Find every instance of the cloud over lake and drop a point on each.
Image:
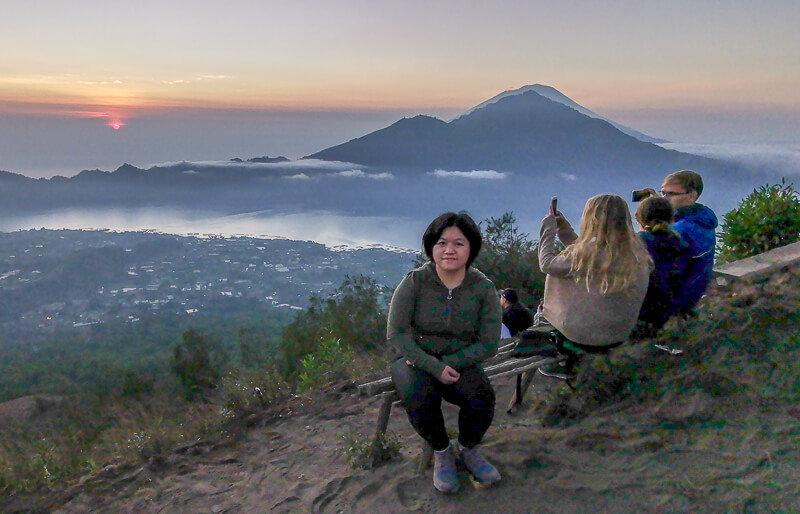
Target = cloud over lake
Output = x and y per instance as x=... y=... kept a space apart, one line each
x=363 y=174
x=474 y=174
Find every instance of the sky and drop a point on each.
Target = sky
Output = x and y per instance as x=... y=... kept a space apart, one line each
x=92 y=84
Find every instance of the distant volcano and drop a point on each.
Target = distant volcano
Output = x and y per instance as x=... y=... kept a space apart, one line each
x=521 y=132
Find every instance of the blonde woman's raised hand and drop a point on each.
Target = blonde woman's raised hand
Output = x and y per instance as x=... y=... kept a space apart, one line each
x=561 y=221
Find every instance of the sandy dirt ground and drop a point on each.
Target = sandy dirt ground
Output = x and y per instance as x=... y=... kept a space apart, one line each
x=625 y=458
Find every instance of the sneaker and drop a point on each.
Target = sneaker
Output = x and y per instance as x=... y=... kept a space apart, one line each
x=445 y=477
x=557 y=371
x=483 y=472
x=671 y=351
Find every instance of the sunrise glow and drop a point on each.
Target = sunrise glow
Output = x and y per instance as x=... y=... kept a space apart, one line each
x=325 y=73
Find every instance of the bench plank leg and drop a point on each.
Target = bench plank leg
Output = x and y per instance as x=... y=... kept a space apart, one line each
x=523 y=383
x=380 y=430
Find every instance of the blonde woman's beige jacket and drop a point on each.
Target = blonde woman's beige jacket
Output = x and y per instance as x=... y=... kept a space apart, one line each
x=585 y=317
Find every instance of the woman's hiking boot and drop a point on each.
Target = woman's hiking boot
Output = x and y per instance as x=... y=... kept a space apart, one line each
x=445 y=477
x=483 y=472
x=556 y=371
x=564 y=370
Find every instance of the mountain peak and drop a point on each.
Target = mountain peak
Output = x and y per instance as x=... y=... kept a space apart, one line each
x=555 y=95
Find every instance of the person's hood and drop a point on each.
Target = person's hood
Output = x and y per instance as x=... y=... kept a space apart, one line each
x=699 y=214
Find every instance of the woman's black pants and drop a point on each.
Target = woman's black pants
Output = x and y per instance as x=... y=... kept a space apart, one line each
x=421 y=395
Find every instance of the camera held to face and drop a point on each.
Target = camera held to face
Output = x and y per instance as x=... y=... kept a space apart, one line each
x=639 y=194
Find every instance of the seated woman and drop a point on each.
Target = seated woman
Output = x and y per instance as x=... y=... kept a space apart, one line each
x=444 y=320
x=594 y=288
x=670 y=257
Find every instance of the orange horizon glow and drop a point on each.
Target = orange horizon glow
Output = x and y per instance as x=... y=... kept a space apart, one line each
x=93 y=99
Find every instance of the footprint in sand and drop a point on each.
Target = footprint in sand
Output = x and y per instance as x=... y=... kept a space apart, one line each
x=540 y=466
x=414 y=495
x=368 y=490
x=330 y=493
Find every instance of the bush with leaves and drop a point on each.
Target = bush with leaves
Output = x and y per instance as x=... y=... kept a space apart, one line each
x=510 y=259
x=767 y=218
x=358 y=449
x=246 y=391
x=258 y=346
x=197 y=362
x=355 y=313
x=330 y=362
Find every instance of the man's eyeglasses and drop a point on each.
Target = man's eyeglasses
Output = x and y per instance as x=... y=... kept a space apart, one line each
x=669 y=194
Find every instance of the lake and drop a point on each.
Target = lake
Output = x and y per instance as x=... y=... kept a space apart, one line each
x=330 y=229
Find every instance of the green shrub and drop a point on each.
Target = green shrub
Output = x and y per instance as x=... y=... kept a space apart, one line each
x=136 y=385
x=331 y=361
x=358 y=449
x=197 y=363
x=247 y=391
x=355 y=313
x=767 y=218
x=510 y=259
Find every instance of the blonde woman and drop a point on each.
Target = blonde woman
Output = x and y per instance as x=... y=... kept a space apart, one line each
x=594 y=288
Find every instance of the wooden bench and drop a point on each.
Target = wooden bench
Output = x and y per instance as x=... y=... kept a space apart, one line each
x=501 y=365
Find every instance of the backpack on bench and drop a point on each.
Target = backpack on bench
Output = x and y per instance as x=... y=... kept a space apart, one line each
x=542 y=340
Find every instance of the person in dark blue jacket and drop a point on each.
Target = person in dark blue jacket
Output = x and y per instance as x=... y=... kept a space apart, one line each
x=669 y=251
x=516 y=317
x=696 y=225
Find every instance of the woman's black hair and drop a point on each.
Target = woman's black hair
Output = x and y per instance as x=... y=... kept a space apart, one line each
x=654 y=211
x=655 y=214
x=463 y=222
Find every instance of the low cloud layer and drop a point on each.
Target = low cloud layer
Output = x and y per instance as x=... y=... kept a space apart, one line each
x=769 y=157
x=298 y=176
x=363 y=174
x=474 y=174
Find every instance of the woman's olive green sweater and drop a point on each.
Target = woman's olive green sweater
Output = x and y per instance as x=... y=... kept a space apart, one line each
x=433 y=326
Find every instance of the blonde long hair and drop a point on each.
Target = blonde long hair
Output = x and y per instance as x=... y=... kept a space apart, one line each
x=608 y=254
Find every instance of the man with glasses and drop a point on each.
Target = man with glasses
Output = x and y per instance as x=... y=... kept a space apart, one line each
x=696 y=224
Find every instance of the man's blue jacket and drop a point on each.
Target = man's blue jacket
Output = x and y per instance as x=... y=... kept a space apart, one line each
x=696 y=224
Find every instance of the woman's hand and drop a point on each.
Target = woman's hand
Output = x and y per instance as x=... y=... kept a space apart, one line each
x=561 y=221
x=449 y=375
